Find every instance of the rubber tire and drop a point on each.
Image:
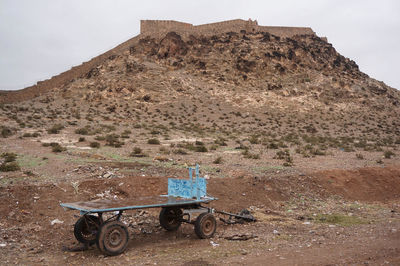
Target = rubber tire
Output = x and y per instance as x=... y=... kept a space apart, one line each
x=170 y=218
x=106 y=235
x=205 y=225
x=84 y=234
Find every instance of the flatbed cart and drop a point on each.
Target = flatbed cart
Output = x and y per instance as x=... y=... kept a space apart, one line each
x=185 y=197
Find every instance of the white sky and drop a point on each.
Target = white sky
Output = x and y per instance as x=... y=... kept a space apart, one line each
x=41 y=38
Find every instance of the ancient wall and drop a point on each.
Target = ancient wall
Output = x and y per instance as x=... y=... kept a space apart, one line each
x=154 y=28
x=159 y=27
x=63 y=78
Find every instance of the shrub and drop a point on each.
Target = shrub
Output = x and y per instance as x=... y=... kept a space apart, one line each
x=113 y=140
x=360 y=156
x=201 y=149
x=164 y=150
x=273 y=145
x=218 y=160
x=250 y=155
x=55 y=129
x=36 y=134
x=8 y=167
x=9 y=157
x=153 y=141
x=81 y=139
x=388 y=154
x=254 y=139
x=100 y=138
x=94 y=144
x=199 y=143
x=284 y=155
x=220 y=141
x=137 y=150
x=180 y=151
x=57 y=147
x=125 y=134
x=6 y=132
x=82 y=131
x=27 y=135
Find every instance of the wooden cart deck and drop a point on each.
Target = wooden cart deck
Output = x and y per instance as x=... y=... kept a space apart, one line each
x=107 y=205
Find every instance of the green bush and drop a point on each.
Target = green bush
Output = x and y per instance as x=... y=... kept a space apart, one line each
x=94 y=144
x=9 y=167
x=153 y=141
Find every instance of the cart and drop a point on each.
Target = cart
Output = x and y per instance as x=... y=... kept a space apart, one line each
x=185 y=198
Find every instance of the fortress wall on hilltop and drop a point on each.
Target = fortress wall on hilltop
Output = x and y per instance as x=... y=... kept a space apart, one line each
x=152 y=28
x=156 y=28
x=286 y=31
x=59 y=80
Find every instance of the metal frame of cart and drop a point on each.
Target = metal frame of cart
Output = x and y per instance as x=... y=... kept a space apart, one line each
x=185 y=197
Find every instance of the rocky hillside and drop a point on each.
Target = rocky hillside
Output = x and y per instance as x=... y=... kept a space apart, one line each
x=242 y=83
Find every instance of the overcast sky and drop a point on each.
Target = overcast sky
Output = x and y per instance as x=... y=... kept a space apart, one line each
x=41 y=38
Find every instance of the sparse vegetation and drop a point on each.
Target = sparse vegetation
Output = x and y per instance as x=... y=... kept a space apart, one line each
x=55 y=129
x=247 y=154
x=339 y=219
x=388 y=154
x=9 y=157
x=113 y=141
x=9 y=167
x=6 y=132
x=56 y=147
x=218 y=160
x=9 y=164
x=153 y=141
x=94 y=144
x=137 y=152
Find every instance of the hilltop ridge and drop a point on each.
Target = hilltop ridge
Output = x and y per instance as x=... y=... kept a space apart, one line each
x=147 y=28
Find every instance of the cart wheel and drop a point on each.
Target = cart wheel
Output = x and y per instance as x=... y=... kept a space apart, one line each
x=205 y=225
x=170 y=218
x=112 y=238
x=86 y=228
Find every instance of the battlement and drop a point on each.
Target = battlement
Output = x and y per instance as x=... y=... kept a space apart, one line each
x=157 y=27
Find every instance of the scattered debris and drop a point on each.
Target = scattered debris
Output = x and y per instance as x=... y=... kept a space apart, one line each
x=56 y=221
x=242 y=237
x=214 y=244
x=243 y=216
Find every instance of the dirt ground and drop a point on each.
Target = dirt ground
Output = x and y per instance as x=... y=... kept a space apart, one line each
x=291 y=228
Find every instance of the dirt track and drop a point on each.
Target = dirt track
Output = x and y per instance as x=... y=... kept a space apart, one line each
x=288 y=231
